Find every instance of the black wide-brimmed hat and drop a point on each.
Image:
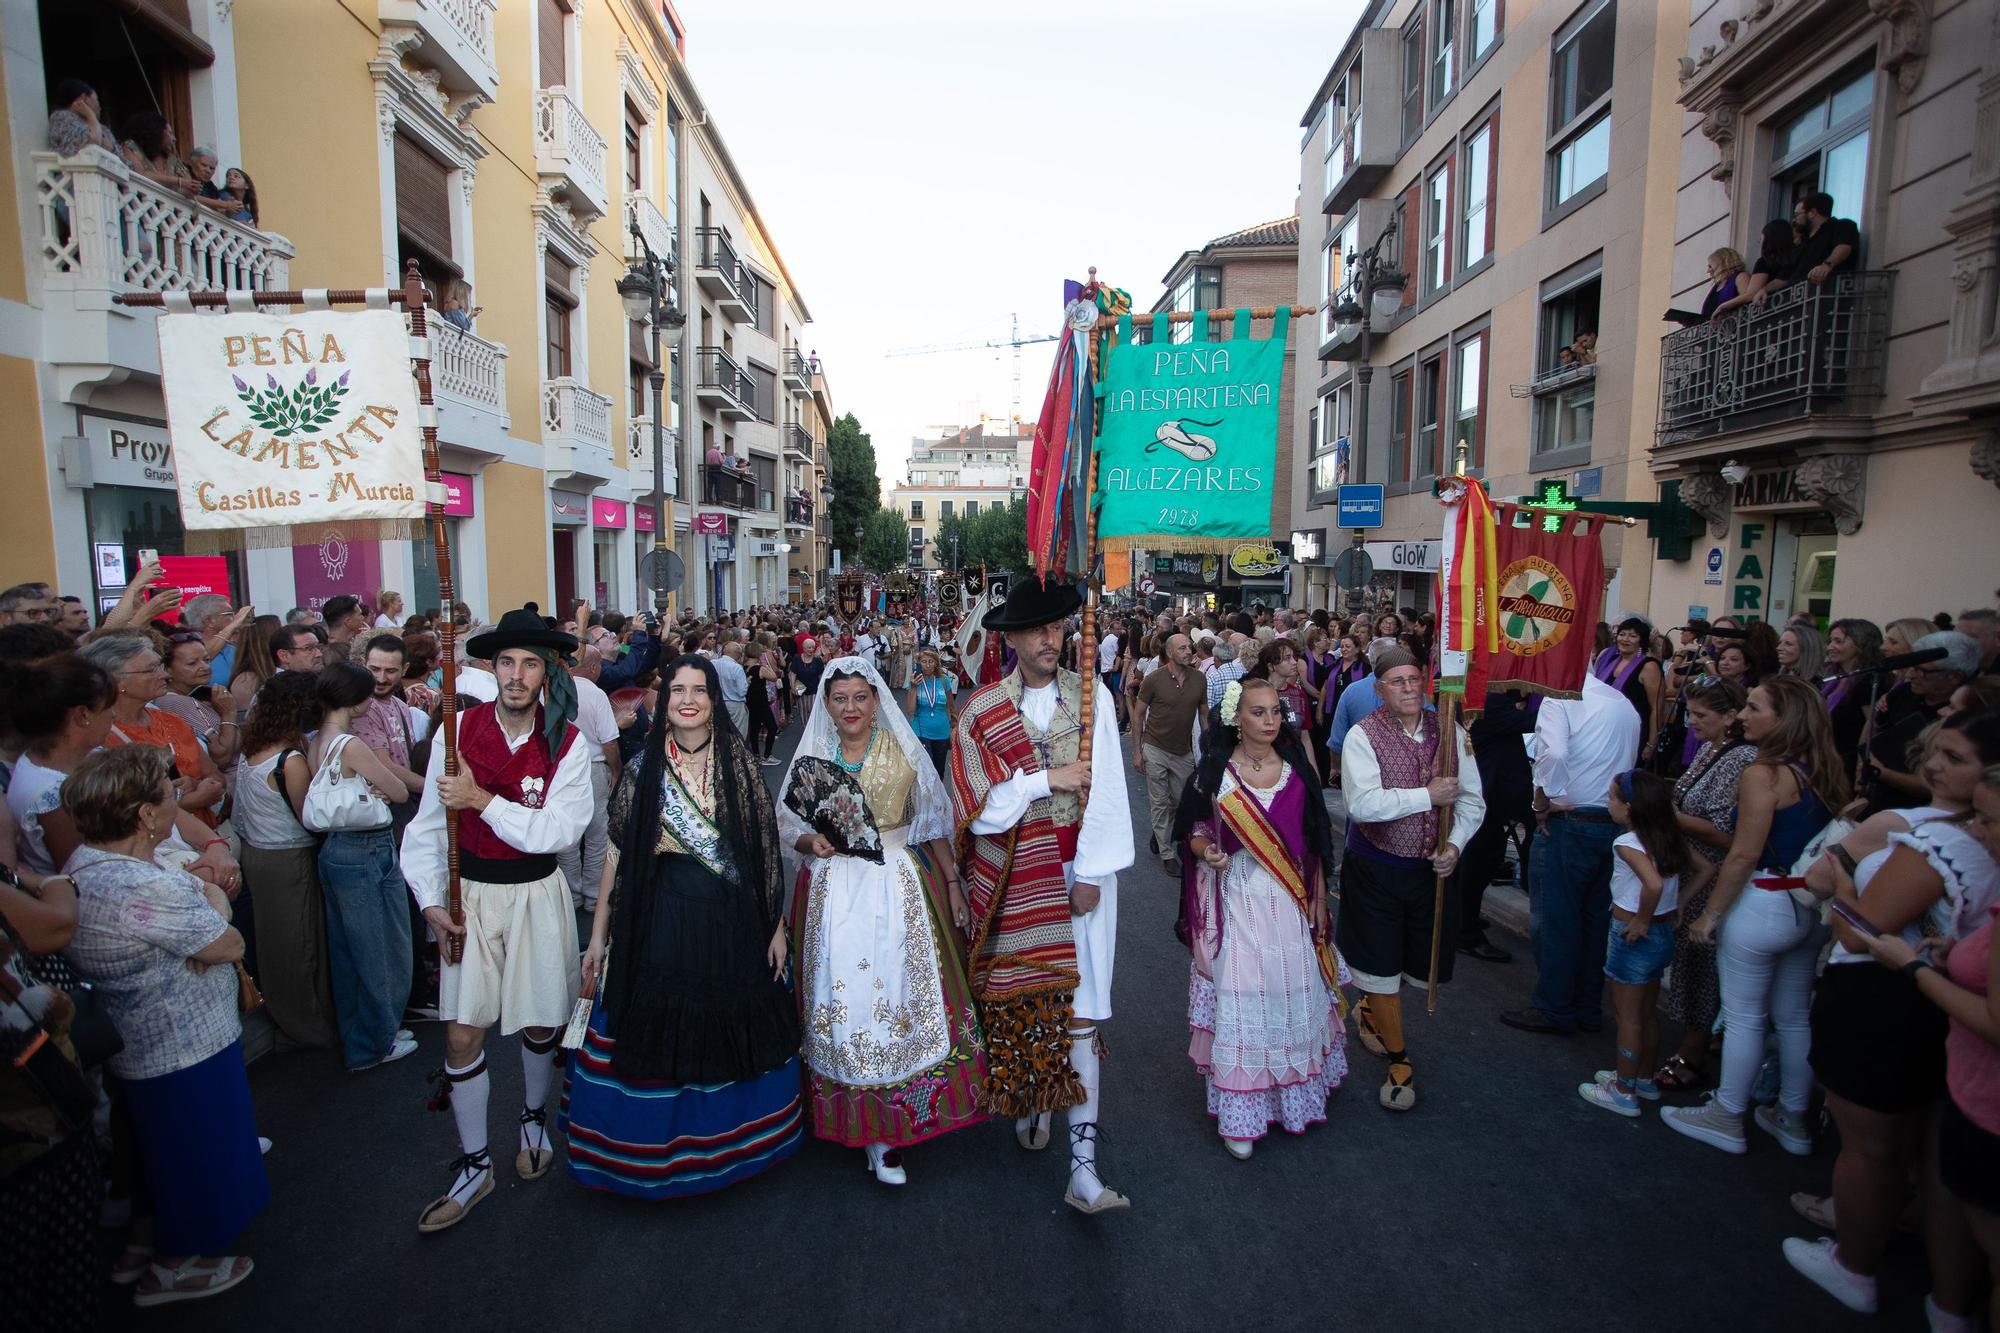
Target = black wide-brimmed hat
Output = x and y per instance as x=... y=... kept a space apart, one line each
x=1031 y=603
x=519 y=629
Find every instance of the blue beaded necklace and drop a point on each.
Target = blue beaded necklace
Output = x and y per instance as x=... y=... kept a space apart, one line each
x=840 y=758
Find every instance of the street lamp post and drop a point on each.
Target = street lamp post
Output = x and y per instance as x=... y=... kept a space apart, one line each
x=649 y=293
x=1376 y=291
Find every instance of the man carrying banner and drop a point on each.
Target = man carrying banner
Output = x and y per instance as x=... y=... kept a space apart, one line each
x=1040 y=869
x=1389 y=766
x=523 y=793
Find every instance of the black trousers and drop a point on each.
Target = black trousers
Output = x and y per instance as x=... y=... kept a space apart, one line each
x=762 y=719
x=1483 y=858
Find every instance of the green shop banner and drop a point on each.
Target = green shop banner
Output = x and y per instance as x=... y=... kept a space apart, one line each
x=1188 y=455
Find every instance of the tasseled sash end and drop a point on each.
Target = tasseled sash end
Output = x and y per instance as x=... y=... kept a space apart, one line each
x=1027 y=1056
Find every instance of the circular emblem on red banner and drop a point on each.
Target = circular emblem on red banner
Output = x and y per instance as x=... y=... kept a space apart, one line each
x=1537 y=606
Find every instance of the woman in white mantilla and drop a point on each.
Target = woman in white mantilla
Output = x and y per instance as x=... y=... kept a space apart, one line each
x=892 y=1045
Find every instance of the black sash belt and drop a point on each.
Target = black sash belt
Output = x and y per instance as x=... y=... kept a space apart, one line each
x=507 y=870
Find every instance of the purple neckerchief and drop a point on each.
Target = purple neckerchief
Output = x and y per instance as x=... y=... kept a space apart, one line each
x=1606 y=670
x=1835 y=691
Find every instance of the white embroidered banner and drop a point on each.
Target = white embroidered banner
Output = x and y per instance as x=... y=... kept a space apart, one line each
x=286 y=419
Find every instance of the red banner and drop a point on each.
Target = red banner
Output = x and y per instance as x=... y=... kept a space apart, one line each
x=1550 y=591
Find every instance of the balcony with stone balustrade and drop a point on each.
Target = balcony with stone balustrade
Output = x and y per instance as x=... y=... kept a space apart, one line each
x=576 y=432
x=569 y=152
x=104 y=231
x=457 y=39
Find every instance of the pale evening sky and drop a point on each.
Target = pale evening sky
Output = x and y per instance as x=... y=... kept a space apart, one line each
x=929 y=168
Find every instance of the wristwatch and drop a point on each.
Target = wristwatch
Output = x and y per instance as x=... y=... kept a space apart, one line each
x=1914 y=966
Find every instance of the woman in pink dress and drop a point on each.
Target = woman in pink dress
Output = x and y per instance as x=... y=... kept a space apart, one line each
x=1264 y=1003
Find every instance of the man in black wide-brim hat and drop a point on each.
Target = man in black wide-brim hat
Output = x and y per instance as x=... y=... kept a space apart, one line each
x=523 y=794
x=1042 y=837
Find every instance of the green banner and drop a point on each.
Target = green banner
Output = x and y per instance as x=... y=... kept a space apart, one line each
x=1188 y=453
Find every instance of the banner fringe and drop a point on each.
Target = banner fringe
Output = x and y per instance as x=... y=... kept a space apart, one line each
x=1164 y=545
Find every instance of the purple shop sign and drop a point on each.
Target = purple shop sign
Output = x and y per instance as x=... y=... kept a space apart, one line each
x=326 y=564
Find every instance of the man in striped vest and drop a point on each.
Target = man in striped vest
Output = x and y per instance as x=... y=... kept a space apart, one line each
x=1042 y=835
x=1396 y=801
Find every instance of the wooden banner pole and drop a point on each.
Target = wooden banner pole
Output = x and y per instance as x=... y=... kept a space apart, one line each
x=1214 y=316
x=412 y=297
x=1086 y=649
x=1447 y=753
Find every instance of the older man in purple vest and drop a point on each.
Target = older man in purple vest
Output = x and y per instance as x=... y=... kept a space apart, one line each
x=1396 y=800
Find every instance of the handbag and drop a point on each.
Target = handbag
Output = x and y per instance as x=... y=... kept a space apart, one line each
x=337 y=804
x=248 y=998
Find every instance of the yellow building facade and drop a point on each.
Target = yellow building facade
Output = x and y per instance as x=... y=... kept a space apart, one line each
x=521 y=154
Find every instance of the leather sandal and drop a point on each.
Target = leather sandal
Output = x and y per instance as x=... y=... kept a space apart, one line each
x=1399 y=1090
x=1032 y=1133
x=192 y=1279
x=532 y=1163
x=445 y=1211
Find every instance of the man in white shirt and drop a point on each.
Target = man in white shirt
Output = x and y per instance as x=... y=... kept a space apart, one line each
x=583 y=863
x=735 y=685
x=522 y=793
x=1580 y=745
x=1392 y=769
x=1044 y=828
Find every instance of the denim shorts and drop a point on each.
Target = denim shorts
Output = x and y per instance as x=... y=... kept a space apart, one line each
x=1631 y=964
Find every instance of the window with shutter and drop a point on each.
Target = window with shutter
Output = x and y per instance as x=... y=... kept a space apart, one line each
x=552 y=22
x=423 y=201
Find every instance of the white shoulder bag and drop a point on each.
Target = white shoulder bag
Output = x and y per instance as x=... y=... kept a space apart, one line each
x=342 y=804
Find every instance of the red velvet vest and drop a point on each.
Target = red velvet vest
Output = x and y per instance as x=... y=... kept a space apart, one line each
x=522 y=776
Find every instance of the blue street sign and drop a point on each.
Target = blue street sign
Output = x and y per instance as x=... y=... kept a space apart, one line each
x=1359 y=505
x=1589 y=482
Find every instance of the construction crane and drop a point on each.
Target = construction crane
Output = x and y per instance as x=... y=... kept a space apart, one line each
x=1017 y=342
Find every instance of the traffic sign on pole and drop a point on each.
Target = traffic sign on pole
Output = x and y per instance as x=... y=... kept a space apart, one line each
x=1359 y=505
x=1353 y=568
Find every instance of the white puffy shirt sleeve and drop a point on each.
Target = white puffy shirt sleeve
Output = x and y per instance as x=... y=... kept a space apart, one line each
x=1007 y=802
x=424 y=865
x=1470 y=811
x=1104 y=843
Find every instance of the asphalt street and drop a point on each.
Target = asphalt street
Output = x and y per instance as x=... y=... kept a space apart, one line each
x=1501 y=1202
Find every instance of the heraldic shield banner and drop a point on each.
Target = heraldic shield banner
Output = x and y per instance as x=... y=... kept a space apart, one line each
x=1550 y=588
x=279 y=420
x=1187 y=457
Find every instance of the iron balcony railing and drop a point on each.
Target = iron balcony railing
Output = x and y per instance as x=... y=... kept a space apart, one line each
x=798 y=440
x=796 y=365
x=718 y=252
x=718 y=370
x=1812 y=348
x=798 y=511
x=730 y=486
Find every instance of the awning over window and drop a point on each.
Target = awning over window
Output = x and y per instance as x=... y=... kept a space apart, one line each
x=169 y=20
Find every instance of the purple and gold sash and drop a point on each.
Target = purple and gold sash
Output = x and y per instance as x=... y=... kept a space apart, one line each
x=1245 y=818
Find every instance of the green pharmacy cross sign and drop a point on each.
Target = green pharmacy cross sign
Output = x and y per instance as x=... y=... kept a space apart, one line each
x=1554 y=495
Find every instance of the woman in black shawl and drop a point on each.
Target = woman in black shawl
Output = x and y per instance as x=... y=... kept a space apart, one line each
x=688 y=1078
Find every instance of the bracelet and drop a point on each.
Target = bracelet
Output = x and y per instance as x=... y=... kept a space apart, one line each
x=215 y=842
x=1914 y=966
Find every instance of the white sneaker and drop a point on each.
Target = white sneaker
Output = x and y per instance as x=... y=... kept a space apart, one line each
x=1816 y=1259
x=1240 y=1149
x=263 y=1145
x=1708 y=1123
x=1787 y=1127
x=403 y=1046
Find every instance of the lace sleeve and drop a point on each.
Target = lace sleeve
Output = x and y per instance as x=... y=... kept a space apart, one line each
x=619 y=815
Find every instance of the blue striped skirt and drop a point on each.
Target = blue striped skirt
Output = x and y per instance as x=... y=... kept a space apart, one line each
x=666 y=1140
x=197 y=1137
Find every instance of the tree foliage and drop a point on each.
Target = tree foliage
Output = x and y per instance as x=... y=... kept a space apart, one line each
x=857 y=487
x=885 y=541
x=995 y=537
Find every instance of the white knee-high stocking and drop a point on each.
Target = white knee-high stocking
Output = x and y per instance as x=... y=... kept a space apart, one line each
x=1083 y=1058
x=538 y=1067
x=471 y=1087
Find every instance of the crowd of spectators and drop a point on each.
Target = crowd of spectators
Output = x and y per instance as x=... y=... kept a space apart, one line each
x=149 y=148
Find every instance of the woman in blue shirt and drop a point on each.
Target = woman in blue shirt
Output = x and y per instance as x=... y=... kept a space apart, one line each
x=930 y=697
